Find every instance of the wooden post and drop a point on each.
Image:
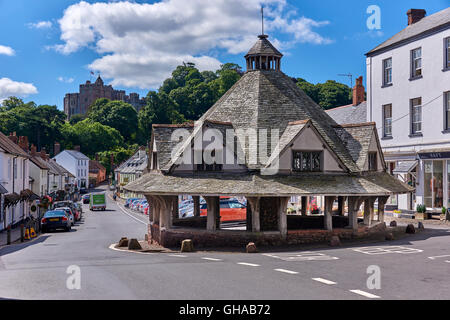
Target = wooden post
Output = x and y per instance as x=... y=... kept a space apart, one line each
x=282 y=217
x=213 y=205
x=304 y=205
x=256 y=221
x=381 y=203
x=175 y=212
x=341 y=203
x=368 y=210
x=353 y=207
x=196 y=206
x=328 y=217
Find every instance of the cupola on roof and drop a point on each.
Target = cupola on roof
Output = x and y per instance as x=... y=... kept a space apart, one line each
x=263 y=55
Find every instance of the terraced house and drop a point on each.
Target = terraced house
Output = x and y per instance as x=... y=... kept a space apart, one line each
x=305 y=153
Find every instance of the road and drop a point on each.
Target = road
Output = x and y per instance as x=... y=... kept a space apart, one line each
x=38 y=269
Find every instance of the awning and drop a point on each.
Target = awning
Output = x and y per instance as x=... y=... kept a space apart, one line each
x=27 y=194
x=404 y=167
x=3 y=189
x=11 y=199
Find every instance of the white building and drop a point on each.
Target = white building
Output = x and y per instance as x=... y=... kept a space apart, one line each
x=14 y=177
x=408 y=96
x=131 y=170
x=77 y=164
x=39 y=171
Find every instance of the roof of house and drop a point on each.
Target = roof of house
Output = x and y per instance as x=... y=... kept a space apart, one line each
x=349 y=113
x=437 y=21
x=11 y=147
x=137 y=162
x=76 y=154
x=373 y=183
x=95 y=165
x=268 y=99
x=39 y=162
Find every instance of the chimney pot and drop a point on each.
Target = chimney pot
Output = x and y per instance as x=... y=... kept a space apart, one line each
x=57 y=148
x=358 y=92
x=415 y=15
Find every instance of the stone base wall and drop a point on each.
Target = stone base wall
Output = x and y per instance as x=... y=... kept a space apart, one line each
x=222 y=238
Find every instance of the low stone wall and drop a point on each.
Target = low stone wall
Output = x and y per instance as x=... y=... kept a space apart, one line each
x=227 y=238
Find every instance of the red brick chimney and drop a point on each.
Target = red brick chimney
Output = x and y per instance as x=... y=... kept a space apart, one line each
x=77 y=148
x=23 y=143
x=13 y=137
x=43 y=154
x=96 y=157
x=33 y=150
x=56 y=148
x=358 y=92
x=415 y=15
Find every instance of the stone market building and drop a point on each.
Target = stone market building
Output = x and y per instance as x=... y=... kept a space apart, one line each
x=307 y=154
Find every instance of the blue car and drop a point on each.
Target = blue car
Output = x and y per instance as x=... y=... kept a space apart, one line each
x=56 y=219
x=129 y=201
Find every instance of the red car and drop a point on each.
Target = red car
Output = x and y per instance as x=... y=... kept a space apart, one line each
x=230 y=210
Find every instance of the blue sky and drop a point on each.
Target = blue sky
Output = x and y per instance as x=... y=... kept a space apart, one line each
x=48 y=47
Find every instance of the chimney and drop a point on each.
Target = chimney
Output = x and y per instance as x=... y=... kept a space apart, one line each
x=358 y=92
x=43 y=153
x=77 y=148
x=23 y=143
x=415 y=15
x=13 y=137
x=56 y=148
x=96 y=157
x=33 y=150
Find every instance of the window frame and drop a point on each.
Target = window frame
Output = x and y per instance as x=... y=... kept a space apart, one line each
x=385 y=82
x=446 y=100
x=372 y=155
x=413 y=74
x=446 y=59
x=310 y=152
x=412 y=114
x=387 y=135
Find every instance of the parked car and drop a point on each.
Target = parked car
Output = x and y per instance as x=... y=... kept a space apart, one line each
x=69 y=204
x=79 y=210
x=85 y=198
x=146 y=210
x=144 y=207
x=55 y=219
x=129 y=201
x=230 y=210
x=141 y=206
x=70 y=214
x=134 y=204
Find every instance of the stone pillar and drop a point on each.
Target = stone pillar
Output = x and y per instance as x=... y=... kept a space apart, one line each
x=175 y=207
x=165 y=203
x=282 y=217
x=328 y=217
x=256 y=221
x=381 y=203
x=213 y=210
x=353 y=207
x=368 y=210
x=304 y=205
x=341 y=205
x=196 y=206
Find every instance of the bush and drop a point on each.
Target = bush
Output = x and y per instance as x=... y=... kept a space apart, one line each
x=421 y=208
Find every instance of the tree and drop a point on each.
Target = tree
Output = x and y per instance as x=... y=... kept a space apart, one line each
x=119 y=115
x=328 y=95
x=120 y=154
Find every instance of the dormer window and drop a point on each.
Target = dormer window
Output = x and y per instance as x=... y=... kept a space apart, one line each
x=305 y=161
x=372 y=161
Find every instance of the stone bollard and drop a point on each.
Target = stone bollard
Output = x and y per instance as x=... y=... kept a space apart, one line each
x=389 y=236
x=393 y=223
x=420 y=226
x=410 y=229
x=251 y=248
x=335 y=241
x=187 y=245
x=123 y=242
x=133 y=244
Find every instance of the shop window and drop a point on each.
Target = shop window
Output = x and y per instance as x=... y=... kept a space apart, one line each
x=433 y=188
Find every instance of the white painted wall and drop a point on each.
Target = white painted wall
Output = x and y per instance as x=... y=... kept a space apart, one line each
x=79 y=168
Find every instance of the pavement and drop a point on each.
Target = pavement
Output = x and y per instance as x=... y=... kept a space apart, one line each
x=415 y=267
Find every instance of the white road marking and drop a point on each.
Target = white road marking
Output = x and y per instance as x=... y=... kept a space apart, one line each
x=324 y=281
x=386 y=249
x=365 y=294
x=177 y=255
x=286 y=271
x=211 y=259
x=113 y=247
x=301 y=256
x=435 y=257
x=124 y=211
x=248 y=264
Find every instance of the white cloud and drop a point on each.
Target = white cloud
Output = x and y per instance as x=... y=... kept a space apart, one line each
x=40 y=25
x=10 y=88
x=66 y=80
x=7 y=50
x=140 y=44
